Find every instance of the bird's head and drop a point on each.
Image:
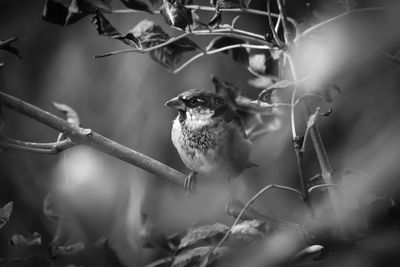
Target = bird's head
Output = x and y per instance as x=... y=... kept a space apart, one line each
x=199 y=105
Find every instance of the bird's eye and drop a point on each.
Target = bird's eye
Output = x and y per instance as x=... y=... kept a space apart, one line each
x=193 y=100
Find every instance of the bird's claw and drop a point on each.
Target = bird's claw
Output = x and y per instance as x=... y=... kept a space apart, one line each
x=190 y=182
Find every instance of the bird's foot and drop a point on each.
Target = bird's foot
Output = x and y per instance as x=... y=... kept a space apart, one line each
x=190 y=182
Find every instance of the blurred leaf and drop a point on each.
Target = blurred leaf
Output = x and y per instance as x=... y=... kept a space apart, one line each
x=218 y=4
x=327 y=114
x=105 y=28
x=248 y=231
x=68 y=250
x=64 y=12
x=1 y=65
x=203 y=233
x=71 y=115
x=150 y=236
x=265 y=94
x=26 y=240
x=138 y=5
x=7 y=45
x=312 y=119
x=5 y=211
x=192 y=257
x=258 y=63
x=176 y=14
x=226 y=90
x=49 y=208
x=239 y=54
x=109 y=253
x=308 y=251
x=262 y=82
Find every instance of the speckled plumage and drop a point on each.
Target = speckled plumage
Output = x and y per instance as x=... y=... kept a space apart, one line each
x=210 y=140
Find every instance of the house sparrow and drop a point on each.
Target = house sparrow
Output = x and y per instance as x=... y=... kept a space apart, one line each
x=209 y=136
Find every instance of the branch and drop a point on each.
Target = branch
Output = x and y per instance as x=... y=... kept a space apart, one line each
x=212 y=9
x=87 y=137
x=337 y=18
x=251 y=201
x=220 y=32
x=282 y=13
x=45 y=148
x=207 y=53
x=321 y=186
x=271 y=25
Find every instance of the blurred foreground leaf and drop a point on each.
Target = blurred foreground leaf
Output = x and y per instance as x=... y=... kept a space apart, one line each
x=203 y=233
x=7 y=46
x=26 y=240
x=239 y=54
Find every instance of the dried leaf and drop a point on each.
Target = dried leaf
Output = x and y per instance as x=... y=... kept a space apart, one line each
x=7 y=45
x=176 y=14
x=138 y=5
x=218 y=4
x=105 y=28
x=71 y=115
x=239 y=54
x=26 y=240
x=203 y=233
x=68 y=250
x=63 y=12
x=194 y=256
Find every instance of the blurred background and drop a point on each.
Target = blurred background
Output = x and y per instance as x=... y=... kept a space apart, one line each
x=122 y=97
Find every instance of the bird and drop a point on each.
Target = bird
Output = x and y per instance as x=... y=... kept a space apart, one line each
x=209 y=136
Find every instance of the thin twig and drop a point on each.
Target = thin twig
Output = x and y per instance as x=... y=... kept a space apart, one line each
x=251 y=201
x=282 y=12
x=271 y=25
x=83 y=136
x=336 y=18
x=321 y=186
x=46 y=148
x=207 y=53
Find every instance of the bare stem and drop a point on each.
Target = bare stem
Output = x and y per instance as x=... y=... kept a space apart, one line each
x=321 y=186
x=87 y=137
x=207 y=53
x=282 y=12
x=271 y=25
x=251 y=201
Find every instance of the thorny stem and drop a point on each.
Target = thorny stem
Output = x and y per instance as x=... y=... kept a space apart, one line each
x=251 y=201
x=207 y=53
x=81 y=136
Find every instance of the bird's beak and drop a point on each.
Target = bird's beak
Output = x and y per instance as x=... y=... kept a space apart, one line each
x=175 y=103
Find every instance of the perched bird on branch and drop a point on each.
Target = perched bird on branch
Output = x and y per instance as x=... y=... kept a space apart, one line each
x=209 y=136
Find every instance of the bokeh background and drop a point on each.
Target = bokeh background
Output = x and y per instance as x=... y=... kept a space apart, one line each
x=122 y=97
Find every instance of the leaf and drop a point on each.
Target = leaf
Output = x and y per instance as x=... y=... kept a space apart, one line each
x=265 y=94
x=150 y=34
x=194 y=256
x=63 y=12
x=49 y=208
x=239 y=54
x=176 y=14
x=262 y=82
x=71 y=115
x=105 y=28
x=108 y=252
x=218 y=4
x=26 y=240
x=5 y=211
x=258 y=63
x=150 y=236
x=68 y=250
x=203 y=233
x=138 y=5
x=7 y=45
x=248 y=231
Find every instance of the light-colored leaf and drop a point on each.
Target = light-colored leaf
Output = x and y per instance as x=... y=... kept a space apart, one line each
x=68 y=250
x=248 y=230
x=70 y=113
x=194 y=256
x=202 y=233
x=5 y=211
x=26 y=240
